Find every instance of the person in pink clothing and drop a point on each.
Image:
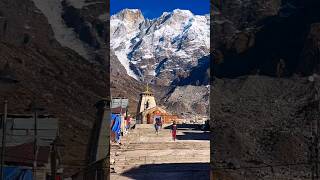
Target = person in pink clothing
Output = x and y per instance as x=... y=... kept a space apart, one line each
x=174 y=130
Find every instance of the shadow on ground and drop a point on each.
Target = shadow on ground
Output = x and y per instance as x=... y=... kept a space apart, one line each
x=188 y=134
x=194 y=136
x=186 y=126
x=174 y=171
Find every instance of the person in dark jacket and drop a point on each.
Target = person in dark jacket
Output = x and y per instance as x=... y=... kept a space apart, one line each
x=158 y=124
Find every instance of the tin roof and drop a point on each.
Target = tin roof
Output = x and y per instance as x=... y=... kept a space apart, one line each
x=119 y=101
x=20 y=129
x=23 y=154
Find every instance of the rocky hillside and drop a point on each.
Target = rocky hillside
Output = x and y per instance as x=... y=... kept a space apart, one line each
x=175 y=98
x=47 y=59
x=161 y=49
x=261 y=101
x=264 y=34
x=188 y=100
x=261 y=127
x=122 y=85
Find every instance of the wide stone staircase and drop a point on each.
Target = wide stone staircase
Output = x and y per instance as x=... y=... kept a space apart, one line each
x=146 y=155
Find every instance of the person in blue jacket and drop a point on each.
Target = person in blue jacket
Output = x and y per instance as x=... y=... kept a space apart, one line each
x=116 y=128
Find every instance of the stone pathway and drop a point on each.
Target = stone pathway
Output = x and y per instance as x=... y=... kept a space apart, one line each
x=145 y=155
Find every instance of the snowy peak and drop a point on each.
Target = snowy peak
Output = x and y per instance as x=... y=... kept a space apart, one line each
x=159 y=49
x=182 y=13
x=130 y=15
x=126 y=22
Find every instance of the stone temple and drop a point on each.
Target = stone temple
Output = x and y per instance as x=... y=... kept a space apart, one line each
x=148 y=110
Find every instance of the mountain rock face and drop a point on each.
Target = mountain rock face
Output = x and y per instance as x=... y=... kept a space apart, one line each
x=181 y=100
x=122 y=85
x=262 y=103
x=264 y=34
x=63 y=73
x=261 y=127
x=161 y=49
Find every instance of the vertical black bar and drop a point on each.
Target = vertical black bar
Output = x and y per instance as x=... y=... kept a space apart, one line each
x=3 y=147
x=35 y=148
x=211 y=86
x=106 y=162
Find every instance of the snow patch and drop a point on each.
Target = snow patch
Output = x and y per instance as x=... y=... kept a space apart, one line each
x=147 y=56
x=130 y=10
x=52 y=9
x=152 y=73
x=183 y=12
x=124 y=61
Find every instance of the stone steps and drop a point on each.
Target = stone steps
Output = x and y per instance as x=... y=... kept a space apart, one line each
x=159 y=160
x=143 y=151
x=130 y=159
x=166 y=147
x=164 y=155
x=163 y=136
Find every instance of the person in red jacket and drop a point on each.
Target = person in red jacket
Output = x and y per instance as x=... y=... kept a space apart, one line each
x=174 y=130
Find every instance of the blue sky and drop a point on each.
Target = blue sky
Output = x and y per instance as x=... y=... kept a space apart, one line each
x=154 y=8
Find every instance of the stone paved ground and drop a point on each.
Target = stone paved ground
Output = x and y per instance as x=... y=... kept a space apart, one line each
x=147 y=156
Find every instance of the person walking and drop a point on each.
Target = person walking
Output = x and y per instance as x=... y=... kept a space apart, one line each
x=127 y=125
x=112 y=134
x=158 y=124
x=116 y=128
x=174 y=130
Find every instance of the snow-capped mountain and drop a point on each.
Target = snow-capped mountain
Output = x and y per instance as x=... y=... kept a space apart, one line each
x=77 y=24
x=161 y=49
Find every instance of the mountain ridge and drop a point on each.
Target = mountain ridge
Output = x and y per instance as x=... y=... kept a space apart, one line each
x=158 y=49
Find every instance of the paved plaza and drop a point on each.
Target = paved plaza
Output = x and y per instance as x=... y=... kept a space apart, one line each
x=145 y=155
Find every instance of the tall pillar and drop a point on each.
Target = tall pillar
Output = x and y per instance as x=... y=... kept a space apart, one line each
x=98 y=146
x=103 y=148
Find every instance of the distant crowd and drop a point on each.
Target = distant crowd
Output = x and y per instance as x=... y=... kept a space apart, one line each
x=121 y=125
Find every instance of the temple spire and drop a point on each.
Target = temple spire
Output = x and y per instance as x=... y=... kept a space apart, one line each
x=147 y=89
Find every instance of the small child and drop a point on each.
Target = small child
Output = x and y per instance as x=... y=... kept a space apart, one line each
x=174 y=130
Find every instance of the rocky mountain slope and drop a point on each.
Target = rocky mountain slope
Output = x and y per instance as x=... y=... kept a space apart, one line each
x=263 y=34
x=261 y=101
x=161 y=49
x=53 y=68
x=175 y=98
x=261 y=127
x=122 y=85
x=180 y=100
